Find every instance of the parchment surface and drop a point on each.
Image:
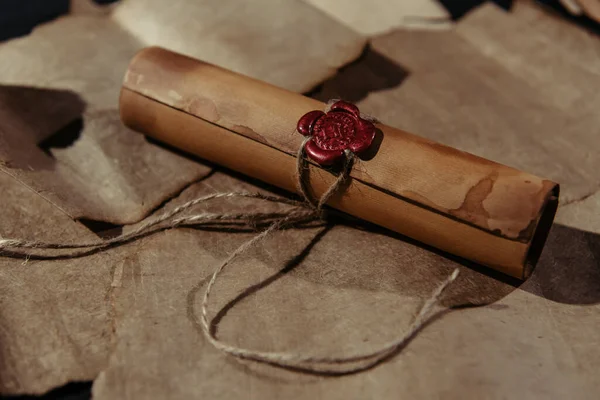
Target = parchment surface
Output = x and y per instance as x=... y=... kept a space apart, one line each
x=128 y=317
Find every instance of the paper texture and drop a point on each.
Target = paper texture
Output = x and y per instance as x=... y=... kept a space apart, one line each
x=127 y=318
x=101 y=172
x=376 y=17
x=286 y=43
x=486 y=102
x=114 y=180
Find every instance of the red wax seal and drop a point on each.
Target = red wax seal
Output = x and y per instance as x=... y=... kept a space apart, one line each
x=332 y=133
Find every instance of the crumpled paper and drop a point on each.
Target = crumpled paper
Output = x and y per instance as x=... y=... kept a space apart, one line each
x=112 y=178
x=127 y=317
x=96 y=169
x=286 y=43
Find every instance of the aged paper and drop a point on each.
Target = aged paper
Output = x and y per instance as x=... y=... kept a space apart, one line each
x=127 y=317
x=371 y=18
x=286 y=43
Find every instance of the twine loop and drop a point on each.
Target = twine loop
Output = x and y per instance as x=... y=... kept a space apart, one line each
x=309 y=210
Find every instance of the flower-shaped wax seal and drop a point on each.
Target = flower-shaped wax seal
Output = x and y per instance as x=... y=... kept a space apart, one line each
x=333 y=132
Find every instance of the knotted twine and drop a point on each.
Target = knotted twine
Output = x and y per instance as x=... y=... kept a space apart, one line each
x=301 y=212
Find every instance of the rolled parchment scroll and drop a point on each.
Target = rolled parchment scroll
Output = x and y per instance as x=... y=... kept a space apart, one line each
x=468 y=206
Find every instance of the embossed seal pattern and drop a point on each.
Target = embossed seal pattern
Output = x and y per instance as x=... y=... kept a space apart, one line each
x=332 y=133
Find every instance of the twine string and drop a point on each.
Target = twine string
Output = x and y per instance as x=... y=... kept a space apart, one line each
x=167 y=220
x=309 y=210
x=309 y=363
